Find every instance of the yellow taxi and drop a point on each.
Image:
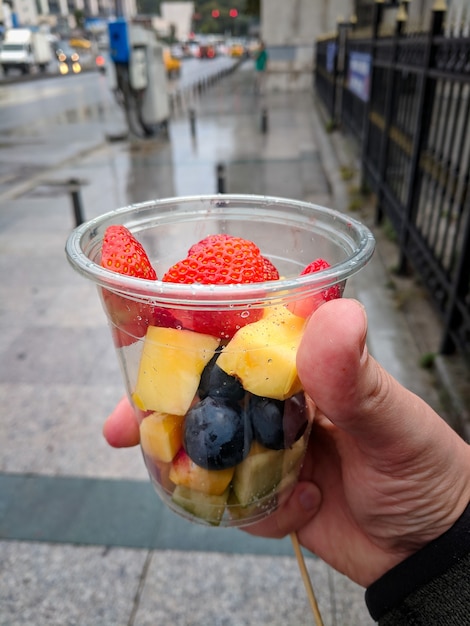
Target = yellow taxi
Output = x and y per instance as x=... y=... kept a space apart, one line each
x=236 y=49
x=79 y=42
x=172 y=65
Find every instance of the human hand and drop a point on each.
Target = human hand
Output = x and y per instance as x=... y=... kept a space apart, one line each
x=383 y=474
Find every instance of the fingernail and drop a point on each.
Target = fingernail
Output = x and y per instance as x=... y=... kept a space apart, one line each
x=308 y=498
x=363 y=344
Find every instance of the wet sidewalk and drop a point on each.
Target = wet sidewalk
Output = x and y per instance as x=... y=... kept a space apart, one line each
x=84 y=540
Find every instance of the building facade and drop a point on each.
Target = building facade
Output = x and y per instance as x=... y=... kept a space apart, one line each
x=60 y=14
x=290 y=28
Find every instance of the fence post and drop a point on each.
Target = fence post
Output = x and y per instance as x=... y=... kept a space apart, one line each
x=220 y=178
x=192 y=121
x=343 y=28
x=264 y=120
x=457 y=293
x=388 y=109
x=77 y=205
x=376 y=21
x=423 y=117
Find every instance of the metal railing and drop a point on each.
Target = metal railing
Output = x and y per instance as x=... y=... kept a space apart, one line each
x=405 y=97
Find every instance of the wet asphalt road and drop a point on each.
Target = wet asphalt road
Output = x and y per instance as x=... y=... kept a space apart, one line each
x=45 y=121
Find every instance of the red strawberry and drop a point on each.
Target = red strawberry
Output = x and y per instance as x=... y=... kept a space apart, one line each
x=306 y=306
x=270 y=271
x=216 y=239
x=220 y=260
x=332 y=293
x=123 y=254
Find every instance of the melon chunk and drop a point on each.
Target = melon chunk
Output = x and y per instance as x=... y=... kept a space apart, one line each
x=293 y=457
x=258 y=475
x=262 y=355
x=206 y=507
x=170 y=369
x=161 y=435
x=292 y=463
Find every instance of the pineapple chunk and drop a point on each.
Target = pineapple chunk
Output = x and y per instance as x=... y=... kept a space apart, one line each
x=170 y=369
x=161 y=435
x=262 y=355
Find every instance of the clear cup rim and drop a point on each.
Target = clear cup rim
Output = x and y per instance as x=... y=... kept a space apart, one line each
x=213 y=295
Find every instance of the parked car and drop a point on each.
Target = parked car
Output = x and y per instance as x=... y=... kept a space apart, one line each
x=207 y=51
x=100 y=63
x=80 y=42
x=236 y=49
x=191 y=48
x=172 y=64
x=177 y=51
x=67 y=57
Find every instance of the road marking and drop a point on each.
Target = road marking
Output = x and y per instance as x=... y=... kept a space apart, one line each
x=111 y=512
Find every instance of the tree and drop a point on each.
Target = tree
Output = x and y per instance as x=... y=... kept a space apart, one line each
x=223 y=23
x=79 y=18
x=253 y=7
x=148 y=7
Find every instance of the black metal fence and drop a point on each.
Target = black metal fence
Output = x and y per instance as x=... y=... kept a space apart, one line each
x=405 y=97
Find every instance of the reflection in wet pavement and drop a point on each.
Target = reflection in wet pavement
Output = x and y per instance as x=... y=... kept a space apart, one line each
x=43 y=124
x=227 y=131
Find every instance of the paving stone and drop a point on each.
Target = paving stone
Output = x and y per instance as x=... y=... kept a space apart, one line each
x=58 y=585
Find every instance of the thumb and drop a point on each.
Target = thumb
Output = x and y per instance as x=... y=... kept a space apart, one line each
x=348 y=386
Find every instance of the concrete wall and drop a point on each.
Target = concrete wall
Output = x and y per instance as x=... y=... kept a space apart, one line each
x=180 y=15
x=289 y=29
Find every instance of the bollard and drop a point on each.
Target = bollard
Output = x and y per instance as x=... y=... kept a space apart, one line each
x=192 y=121
x=264 y=121
x=74 y=188
x=220 y=178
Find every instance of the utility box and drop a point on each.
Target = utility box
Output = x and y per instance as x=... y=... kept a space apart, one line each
x=119 y=41
x=138 y=69
x=155 y=100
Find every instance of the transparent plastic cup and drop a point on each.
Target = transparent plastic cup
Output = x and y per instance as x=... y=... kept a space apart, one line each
x=211 y=369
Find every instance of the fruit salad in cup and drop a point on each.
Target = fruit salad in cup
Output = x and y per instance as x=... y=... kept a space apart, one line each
x=224 y=421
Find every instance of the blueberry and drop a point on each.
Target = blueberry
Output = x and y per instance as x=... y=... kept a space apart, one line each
x=222 y=385
x=278 y=424
x=267 y=418
x=218 y=384
x=217 y=434
x=204 y=383
x=295 y=418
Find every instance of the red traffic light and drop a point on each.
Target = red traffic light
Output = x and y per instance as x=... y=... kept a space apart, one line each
x=233 y=12
x=215 y=13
